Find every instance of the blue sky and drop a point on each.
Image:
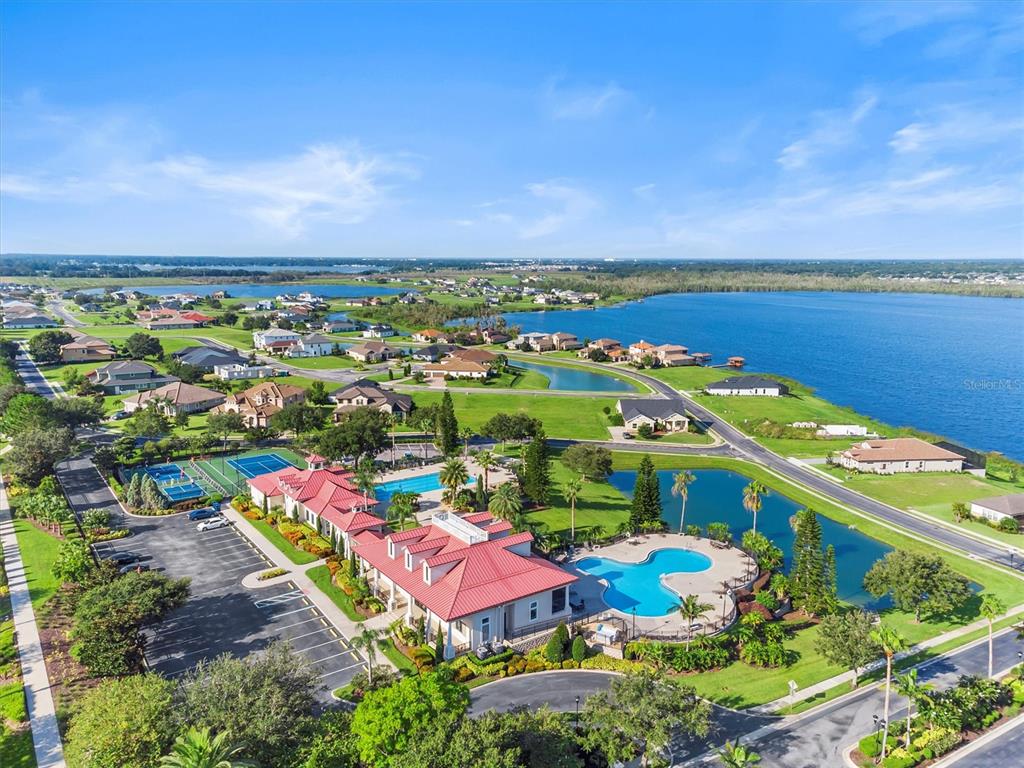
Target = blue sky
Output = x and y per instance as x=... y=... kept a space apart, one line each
x=802 y=130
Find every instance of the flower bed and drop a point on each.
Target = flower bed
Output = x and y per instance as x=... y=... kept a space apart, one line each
x=271 y=574
x=101 y=534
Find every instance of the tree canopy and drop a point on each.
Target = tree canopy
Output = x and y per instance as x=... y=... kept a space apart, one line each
x=917 y=583
x=594 y=462
x=360 y=432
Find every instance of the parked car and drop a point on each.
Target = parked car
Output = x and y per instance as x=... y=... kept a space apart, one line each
x=118 y=415
x=203 y=513
x=132 y=567
x=212 y=524
x=123 y=558
x=627 y=435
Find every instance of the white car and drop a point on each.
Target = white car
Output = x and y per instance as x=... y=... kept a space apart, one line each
x=212 y=524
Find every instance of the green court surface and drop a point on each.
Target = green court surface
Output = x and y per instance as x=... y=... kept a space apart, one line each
x=218 y=468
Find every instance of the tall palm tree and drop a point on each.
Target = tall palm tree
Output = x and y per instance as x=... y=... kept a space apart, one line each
x=453 y=476
x=752 y=499
x=571 y=492
x=466 y=434
x=691 y=609
x=487 y=461
x=907 y=685
x=369 y=641
x=506 y=502
x=733 y=755
x=197 y=749
x=991 y=608
x=892 y=642
x=681 y=488
x=365 y=477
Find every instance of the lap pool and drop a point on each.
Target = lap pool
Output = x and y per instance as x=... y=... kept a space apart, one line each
x=638 y=585
x=418 y=484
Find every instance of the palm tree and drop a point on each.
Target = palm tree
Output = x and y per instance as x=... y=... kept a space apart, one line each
x=365 y=478
x=691 y=609
x=681 y=488
x=369 y=641
x=907 y=685
x=752 y=499
x=732 y=755
x=960 y=511
x=571 y=492
x=596 y=532
x=197 y=749
x=487 y=461
x=467 y=435
x=991 y=608
x=453 y=476
x=892 y=642
x=506 y=502
x=403 y=503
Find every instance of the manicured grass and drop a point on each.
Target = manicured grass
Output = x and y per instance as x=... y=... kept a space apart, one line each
x=396 y=657
x=804 y=449
x=16 y=749
x=685 y=438
x=577 y=417
x=326 y=363
x=38 y=553
x=923 y=489
x=294 y=554
x=690 y=377
x=600 y=504
x=321 y=576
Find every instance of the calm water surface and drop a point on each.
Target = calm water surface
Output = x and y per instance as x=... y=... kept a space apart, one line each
x=717 y=496
x=576 y=379
x=953 y=365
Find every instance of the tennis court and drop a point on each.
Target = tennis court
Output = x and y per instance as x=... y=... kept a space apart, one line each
x=251 y=466
x=182 y=492
x=165 y=474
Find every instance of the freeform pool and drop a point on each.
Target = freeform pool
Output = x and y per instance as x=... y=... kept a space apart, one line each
x=418 y=484
x=638 y=585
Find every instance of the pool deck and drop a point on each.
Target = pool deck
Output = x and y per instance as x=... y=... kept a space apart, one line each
x=430 y=502
x=731 y=567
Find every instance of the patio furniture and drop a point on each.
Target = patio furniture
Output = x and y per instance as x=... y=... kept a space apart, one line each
x=606 y=634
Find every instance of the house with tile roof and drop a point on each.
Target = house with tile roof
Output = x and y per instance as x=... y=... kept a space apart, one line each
x=325 y=498
x=471 y=577
x=172 y=399
x=257 y=404
x=371 y=352
x=167 y=319
x=368 y=394
x=275 y=340
x=899 y=454
x=85 y=349
x=312 y=345
x=123 y=376
x=455 y=368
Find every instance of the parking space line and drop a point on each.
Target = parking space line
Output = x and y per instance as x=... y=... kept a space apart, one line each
x=329 y=642
x=336 y=655
x=289 y=613
x=293 y=638
x=300 y=623
x=285 y=597
x=343 y=669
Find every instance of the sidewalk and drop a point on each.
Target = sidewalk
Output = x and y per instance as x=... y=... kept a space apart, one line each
x=847 y=677
x=324 y=604
x=41 y=711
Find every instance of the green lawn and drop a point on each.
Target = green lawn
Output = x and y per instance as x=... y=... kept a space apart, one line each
x=804 y=449
x=576 y=417
x=321 y=576
x=685 y=438
x=326 y=363
x=600 y=504
x=690 y=377
x=38 y=552
x=396 y=657
x=294 y=554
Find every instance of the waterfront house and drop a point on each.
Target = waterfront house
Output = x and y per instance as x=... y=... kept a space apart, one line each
x=368 y=394
x=341 y=326
x=900 y=454
x=172 y=399
x=455 y=368
x=371 y=352
x=640 y=350
x=481 y=356
x=750 y=386
x=565 y=341
x=492 y=336
x=470 y=576
x=85 y=349
x=123 y=376
x=658 y=414
x=999 y=508
x=258 y=403
x=672 y=355
x=536 y=342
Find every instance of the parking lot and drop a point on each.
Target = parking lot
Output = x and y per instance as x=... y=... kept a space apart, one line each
x=221 y=616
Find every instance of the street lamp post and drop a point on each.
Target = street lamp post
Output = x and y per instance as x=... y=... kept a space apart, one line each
x=879 y=725
x=634 y=622
x=577 y=714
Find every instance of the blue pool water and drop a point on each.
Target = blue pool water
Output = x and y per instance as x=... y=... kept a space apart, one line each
x=420 y=484
x=638 y=585
x=576 y=379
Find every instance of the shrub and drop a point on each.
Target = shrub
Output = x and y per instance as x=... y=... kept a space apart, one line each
x=1009 y=525
x=554 y=651
x=270 y=574
x=463 y=674
x=118 y=533
x=579 y=649
x=611 y=664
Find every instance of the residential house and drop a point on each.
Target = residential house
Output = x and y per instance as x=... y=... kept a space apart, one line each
x=175 y=398
x=481 y=356
x=756 y=386
x=233 y=371
x=492 y=336
x=326 y=499
x=312 y=345
x=123 y=376
x=371 y=352
x=379 y=331
x=206 y=357
x=85 y=349
x=428 y=336
x=275 y=340
x=454 y=368
x=658 y=414
x=341 y=326
x=432 y=353
x=610 y=348
x=565 y=341
x=17 y=318
x=537 y=342
x=471 y=577
x=842 y=430
x=165 y=319
x=672 y=355
x=900 y=454
x=639 y=351
x=258 y=403
x=368 y=394
x=999 y=508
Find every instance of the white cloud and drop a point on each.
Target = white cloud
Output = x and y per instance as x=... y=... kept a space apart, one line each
x=958 y=128
x=573 y=205
x=876 y=21
x=832 y=130
x=645 y=192
x=585 y=103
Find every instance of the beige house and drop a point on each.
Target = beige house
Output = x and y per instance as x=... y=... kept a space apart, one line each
x=565 y=341
x=901 y=454
x=85 y=349
x=999 y=508
x=371 y=352
x=658 y=414
x=172 y=399
x=455 y=368
x=367 y=394
x=672 y=355
x=257 y=404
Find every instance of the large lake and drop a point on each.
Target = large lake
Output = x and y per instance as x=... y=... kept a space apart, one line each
x=953 y=365
x=717 y=496
x=270 y=290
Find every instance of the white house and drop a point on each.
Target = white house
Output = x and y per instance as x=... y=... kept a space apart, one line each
x=901 y=454
x=455 y=368
x=312 y=345
x=751 y=386
x=470 y=577
x=241 y=371
x=999 y=508
x=538 y=342
x=655 y=413
x=842 y=430
x=379 y=331
x=274 y=339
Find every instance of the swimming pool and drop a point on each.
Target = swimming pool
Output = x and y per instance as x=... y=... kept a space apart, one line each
x=638 y=585
x=418 y=484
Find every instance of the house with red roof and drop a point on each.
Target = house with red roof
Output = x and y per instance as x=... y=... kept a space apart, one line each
x=326 y=499
x=470 y=577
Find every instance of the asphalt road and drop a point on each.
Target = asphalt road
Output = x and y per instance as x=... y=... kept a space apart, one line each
x=1005 y=752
